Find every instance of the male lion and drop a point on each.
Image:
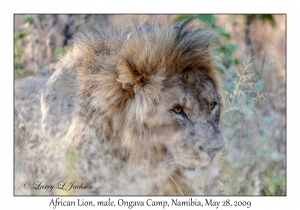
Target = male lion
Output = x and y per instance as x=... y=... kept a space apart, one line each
x=150 y=92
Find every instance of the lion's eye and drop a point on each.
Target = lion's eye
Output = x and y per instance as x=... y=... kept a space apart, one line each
x=212 y=105
x=178 y=109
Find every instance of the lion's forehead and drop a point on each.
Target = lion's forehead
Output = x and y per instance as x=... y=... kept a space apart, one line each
x=191 y=87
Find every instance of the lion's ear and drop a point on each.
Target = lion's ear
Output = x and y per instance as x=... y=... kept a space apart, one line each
x=127 y=76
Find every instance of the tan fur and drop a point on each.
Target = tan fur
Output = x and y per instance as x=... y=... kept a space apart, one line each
x=126 y=83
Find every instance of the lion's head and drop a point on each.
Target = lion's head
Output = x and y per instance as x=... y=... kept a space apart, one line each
x=153 y=88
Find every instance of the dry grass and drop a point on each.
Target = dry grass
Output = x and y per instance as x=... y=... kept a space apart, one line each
x=254 y=122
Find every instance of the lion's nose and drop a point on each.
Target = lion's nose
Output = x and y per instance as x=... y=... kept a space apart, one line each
x=211 y=151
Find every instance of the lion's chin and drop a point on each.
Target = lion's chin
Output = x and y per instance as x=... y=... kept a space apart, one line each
x=203 y=172
x=191 y=174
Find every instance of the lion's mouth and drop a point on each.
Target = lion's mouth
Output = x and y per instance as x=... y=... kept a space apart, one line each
x=197 y=168
x=188 y=168
x=194 y=168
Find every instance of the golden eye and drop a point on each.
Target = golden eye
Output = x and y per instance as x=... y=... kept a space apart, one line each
x=212 y=105
x=178 y=109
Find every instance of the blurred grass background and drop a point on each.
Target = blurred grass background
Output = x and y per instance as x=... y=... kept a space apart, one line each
x=253 y=70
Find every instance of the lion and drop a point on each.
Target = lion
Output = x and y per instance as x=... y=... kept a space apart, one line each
x=150 y=91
